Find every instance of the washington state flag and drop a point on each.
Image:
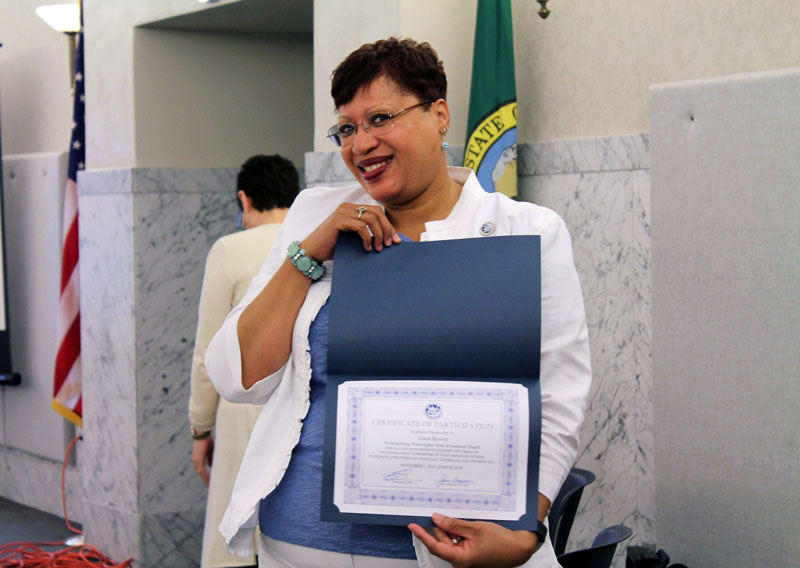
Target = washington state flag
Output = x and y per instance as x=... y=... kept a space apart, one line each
x=491 y=148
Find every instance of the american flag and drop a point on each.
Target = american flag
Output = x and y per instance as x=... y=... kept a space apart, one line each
x=67 y=399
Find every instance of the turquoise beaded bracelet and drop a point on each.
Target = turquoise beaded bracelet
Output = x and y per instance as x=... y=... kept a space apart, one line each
x=305 y=264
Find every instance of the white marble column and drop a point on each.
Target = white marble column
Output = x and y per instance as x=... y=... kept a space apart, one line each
x=144 y=236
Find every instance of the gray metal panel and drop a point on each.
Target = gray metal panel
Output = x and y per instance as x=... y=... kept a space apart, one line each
x=725 y=158
x=33 y=187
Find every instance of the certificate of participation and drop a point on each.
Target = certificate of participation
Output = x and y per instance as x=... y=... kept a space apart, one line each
x=416 y=447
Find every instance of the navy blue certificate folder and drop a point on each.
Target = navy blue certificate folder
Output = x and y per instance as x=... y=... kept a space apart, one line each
x=466 y=310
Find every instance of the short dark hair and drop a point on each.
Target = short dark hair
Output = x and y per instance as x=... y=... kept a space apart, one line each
x=414 y=67
x=270 y=181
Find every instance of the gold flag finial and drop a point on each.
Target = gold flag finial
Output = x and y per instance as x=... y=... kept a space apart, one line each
x=543 y=11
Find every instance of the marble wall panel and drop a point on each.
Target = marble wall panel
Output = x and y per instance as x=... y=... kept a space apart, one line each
x=109 y=465
x=172 y=540
x=145 y=235
x=104 y=182
x=36 y=482
x=625 y=488
x=643 y=521
x=605 y=154
x=115 y=533
x=596 y=208
x=173 y=233
x=608 y=216
x=185 y=180
x=324 y=167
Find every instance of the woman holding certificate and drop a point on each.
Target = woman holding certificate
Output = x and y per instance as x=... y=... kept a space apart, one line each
x=393 y=120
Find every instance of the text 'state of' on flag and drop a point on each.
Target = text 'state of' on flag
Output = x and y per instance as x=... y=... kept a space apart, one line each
x=491 y=148
x=67 y=399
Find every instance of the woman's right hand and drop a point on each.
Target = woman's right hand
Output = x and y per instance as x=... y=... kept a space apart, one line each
x=480 y=544
x=372 y=226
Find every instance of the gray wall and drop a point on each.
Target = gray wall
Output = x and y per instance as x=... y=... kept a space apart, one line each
x=33 y=191
x=35 y=123
x=213 y=99
x=726 y=299
x=33 y=436
x=178 y=84
x=586 y=70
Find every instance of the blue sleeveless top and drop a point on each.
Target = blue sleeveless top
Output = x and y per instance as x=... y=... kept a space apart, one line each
x=291 y=512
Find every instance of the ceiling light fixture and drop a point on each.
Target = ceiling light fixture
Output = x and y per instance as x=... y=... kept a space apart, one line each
x=65 y=18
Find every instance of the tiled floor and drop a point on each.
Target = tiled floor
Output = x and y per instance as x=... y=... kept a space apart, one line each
x=19 y=523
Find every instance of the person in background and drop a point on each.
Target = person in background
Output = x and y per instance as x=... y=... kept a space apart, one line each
x=266 y=187
x=393 y=119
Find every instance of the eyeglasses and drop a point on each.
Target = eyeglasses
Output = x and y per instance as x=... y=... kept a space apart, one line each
x=378 y=124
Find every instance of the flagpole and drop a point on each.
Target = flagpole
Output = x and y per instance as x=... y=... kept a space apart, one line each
x=73 y=43
x=72 y=38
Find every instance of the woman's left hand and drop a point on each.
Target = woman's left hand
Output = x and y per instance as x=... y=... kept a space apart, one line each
x=202 y=455
x=484 y=544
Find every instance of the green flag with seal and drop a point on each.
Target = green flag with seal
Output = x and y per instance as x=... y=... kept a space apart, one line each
x=491 y=149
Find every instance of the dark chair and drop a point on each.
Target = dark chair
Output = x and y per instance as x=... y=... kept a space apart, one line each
x=563 y=509
x=601 y=552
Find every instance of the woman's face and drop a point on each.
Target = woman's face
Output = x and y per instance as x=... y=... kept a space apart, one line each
x=402 y=162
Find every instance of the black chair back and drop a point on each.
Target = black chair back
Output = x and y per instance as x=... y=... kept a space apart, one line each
x=601 y=553
x=565 y=506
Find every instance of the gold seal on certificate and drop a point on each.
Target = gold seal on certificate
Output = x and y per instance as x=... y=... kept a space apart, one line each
x=415 y=447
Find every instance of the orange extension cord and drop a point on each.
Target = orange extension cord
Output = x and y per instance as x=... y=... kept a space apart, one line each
x=31 y=555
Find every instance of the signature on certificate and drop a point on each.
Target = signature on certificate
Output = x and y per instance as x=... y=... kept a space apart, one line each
x=453 y=481
x=398 y=475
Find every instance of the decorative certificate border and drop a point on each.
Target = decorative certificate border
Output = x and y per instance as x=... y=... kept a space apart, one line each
x=503 y=500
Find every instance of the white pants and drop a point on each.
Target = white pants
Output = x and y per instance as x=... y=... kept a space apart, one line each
x=277 y=554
